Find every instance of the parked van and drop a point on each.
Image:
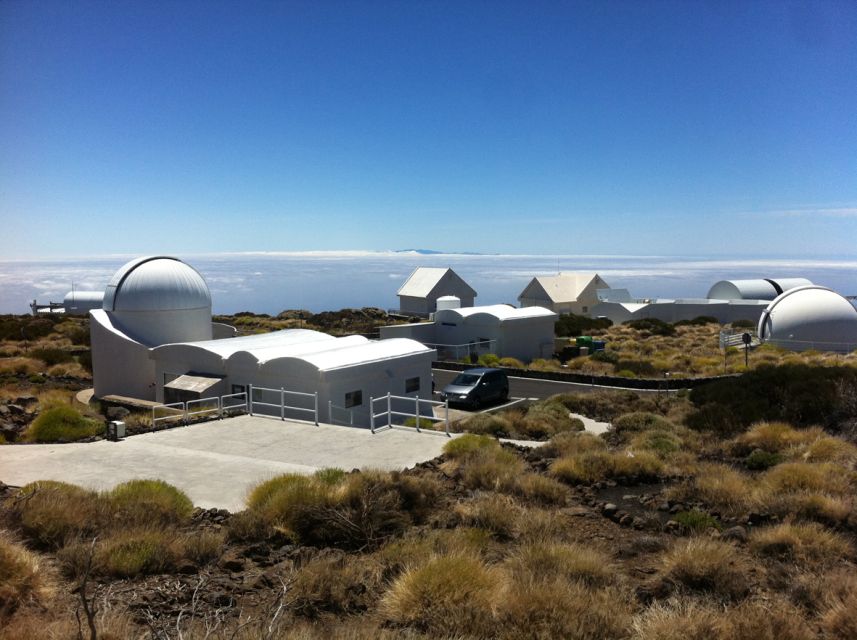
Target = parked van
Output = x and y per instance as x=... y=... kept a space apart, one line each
x=475 y=387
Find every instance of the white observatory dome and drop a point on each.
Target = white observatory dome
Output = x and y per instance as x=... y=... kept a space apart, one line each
x=160 y=299
x=810 y=317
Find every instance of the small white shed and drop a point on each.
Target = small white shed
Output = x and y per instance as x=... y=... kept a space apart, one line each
x=420 y=292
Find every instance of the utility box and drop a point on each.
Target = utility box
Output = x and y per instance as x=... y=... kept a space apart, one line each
x=115 y=430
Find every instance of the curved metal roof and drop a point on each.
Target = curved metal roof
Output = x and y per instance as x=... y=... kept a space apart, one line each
x=156 y=283
x=810 y=317
x=758 y=289
x=500 y=312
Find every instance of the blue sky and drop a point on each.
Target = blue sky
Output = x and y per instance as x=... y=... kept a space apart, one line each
x=672 y=128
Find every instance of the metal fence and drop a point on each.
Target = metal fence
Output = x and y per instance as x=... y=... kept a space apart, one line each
x=407 y=403
x=281 y=405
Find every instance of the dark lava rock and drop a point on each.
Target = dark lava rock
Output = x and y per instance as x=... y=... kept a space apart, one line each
x=26 y=401
x=626 y=520
x=739 y=534
x=609 y=510
x=232 y=563
x=117 y=413
x=16 y=409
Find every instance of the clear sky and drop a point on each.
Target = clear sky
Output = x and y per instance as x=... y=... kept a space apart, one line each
x=638 y=127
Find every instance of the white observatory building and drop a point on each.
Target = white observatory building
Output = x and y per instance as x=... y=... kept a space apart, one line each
x=153 y=339
x=810 y=317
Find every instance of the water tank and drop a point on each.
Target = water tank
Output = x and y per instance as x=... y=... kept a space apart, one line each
x=448 y=302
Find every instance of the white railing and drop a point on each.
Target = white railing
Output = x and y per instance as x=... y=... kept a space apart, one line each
x=172 y=416
x=333 y=409
x=202 y=411
x=224 y=407
x=375 y=424
x=458 y=351
x=281 y=405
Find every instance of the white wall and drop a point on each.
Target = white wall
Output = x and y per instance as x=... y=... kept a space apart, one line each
x=120 y=366
x=154 y=328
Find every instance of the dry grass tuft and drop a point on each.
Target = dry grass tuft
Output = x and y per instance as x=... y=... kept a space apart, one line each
x=51 y=512
x=804 y=543
x=495 y=513
x=336 y=584
x=492 y=469
x=567 y=444
x=140 y=502
x=559 y=609
x=451 y=594
x=541 y=489
x=706 y=565
x=22 y=579
x=718 y=486
x=570 y=562
x=594 y=466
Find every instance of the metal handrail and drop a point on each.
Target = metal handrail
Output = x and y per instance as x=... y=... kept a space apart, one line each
x=331 y=407
x=182 y=416
x=188 y=413
x=224 y=407
x=282 y=405
x=416 y=415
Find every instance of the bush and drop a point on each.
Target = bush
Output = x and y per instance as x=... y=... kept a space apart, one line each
x=800 y=394
x=51 y=512
x=512 y=363
x=759 y=460
x=336 y=584
x=363 y=509
x=558 y=609
x=635 y=367
x=696 y=521
x=62 y=424
x=539 y=488
x=697 y=322
x=823 y=477
x=21 y=578
x=652 y=326
x=494 y=469
x=129 y=553
x=544 y=419
x=446 y=595
x=718 y=486
x=594 y=466
x=488 y=424
x=153 y=502
x=572 y=325
x=803 y=543
x=467 y=445
x=568 y=443
x=203 y=547
x=494 y=513
x=488 y=360
x=51 y=356
x=706 y=565
x=547 y=561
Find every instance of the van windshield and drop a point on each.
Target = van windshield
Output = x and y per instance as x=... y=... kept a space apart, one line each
x=465 y=380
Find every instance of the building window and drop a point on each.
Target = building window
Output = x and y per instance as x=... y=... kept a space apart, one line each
x=353 y=399
x=238 y=388
x=585 y=309
x=412 y=384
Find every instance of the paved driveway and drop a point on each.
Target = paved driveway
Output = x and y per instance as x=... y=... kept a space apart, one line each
x=216 y=463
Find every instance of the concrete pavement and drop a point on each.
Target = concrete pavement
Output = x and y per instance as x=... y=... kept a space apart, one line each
x=217 y=463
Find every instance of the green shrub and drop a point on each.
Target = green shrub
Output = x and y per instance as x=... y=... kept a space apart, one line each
x=488 y=360
x=142 y=502
x=696 y=322
x=63 y=423
x=696 y=521
x=467 y=445
x=130 y=553
x=610 y=357
x=546 y=418
x=51 y=512
x=488 y=424
x=759 y=460
x=492 y=468
x=422 y=423
x=652 y=326
x=330 y=475
x=512 y=363
x=51 y=356
x=571 y=325
x=635 y=367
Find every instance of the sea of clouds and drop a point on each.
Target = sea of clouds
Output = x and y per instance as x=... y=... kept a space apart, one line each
x=325 y=280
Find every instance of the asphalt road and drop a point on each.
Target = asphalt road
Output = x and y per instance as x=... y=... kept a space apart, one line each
x=530 y=388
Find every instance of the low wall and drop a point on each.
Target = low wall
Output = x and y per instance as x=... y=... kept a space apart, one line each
x=583 y=378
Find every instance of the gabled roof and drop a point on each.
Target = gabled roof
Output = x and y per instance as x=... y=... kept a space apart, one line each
x=563 y=287
x=423 y=280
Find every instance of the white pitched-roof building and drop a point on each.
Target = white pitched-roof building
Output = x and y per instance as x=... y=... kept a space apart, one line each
x=564 y=293
x=425 y=285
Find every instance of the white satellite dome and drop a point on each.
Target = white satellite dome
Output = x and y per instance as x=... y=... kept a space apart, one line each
x=156 y=283
x=159 y=300
x=810 y=317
